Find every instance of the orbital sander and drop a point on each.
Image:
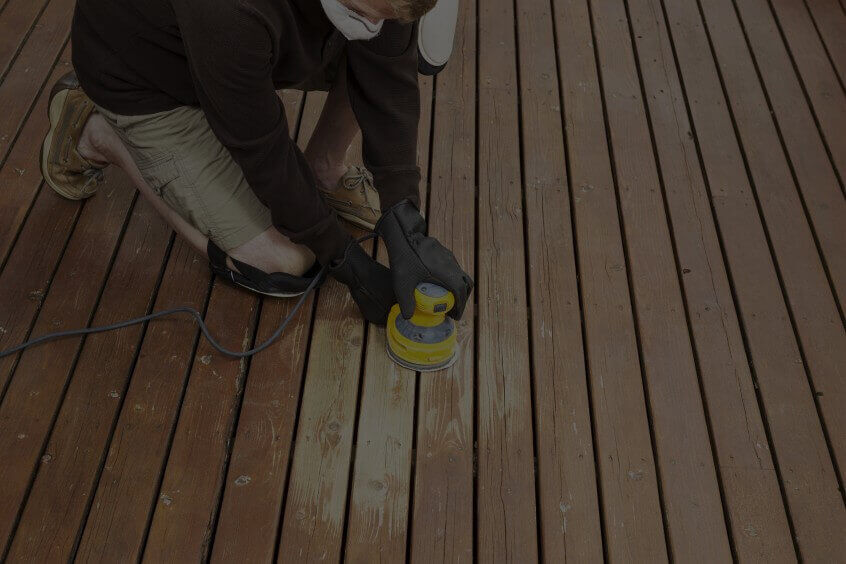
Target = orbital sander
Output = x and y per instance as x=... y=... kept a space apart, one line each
x=426 y=342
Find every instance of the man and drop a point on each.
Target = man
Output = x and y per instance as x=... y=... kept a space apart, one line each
x=181 y=94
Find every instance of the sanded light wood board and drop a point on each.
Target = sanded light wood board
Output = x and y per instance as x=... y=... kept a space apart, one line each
x=631 y=510
x=441 y=525
x=751 y=496
x=806 y=470
x=380 y=493
x=505 y=504
x=315 y=503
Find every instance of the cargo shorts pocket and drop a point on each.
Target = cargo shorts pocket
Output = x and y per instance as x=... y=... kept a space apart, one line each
x=158 y=171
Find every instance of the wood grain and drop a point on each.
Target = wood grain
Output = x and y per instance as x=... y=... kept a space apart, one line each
x=826 y=94
x=818 y=326
x=37 y=387
x=442 y=515
x=127 y=490
x=20 y=176
x=378 y=515
x=568 y=496
x=632 y=515
x=184 y=515
x=809 y=482
x=58 y=499
x=260 y=462
x=691 y=495
x=754 y=507
x=31 y=68
x=506 y=505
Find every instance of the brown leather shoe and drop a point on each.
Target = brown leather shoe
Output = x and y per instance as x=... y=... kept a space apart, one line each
x=64 y=169
x=355 y=198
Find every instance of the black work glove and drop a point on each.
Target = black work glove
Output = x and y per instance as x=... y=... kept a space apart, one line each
x=368 y=281
x=416 y=258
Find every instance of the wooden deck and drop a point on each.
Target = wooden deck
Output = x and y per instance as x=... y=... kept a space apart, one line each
x=650 y=195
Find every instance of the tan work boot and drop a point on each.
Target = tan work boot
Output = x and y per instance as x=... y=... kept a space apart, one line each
x=355 y=198
x=65 y=170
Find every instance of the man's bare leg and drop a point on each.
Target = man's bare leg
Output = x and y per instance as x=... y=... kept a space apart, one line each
x=271 y=251
x=332 y=137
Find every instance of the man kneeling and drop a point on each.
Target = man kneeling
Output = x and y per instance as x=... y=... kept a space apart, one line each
x=181 y=94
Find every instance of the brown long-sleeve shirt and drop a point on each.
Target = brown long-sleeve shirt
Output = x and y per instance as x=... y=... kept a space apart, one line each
x=229 y=57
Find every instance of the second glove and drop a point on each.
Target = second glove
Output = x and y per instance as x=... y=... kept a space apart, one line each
x=368 y=281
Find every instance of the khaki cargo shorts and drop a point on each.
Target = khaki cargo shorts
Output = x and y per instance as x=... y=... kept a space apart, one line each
x=180 y=157
x=182 y=160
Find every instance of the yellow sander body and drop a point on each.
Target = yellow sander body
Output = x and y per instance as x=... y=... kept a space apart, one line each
x=426 y=342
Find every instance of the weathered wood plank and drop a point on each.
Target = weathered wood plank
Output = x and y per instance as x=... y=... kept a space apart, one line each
x=184 y=519
x=810 y=485
x=31 y=67
x=58 y=499
x=506 y=505
x=184 y=515
x=253 y=495
x=20 y=176
x=252 y=501
x=820 y=188
x=830 y=20
x=828 y=100
x=753 y=502
x=16 y=22
x=569 y=506
x=817 y=321
x=691 y=494
x=29 y=272
x=37 y=387
x=442 y=513
x=632 y=516
x=128 y=485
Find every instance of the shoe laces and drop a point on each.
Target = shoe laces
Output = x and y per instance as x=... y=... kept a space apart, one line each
x=360 y=179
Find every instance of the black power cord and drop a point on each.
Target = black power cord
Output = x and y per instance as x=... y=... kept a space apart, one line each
x=193 y=313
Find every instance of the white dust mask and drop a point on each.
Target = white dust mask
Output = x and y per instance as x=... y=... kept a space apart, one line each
x=351 y=25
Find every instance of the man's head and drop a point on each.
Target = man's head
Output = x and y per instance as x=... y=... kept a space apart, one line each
x=402 y=10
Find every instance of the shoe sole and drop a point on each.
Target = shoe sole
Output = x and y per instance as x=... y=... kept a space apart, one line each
x=54 y=113
x=271 y=294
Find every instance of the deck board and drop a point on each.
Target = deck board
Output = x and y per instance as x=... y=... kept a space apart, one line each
x=443 y=507
x=750 y=488
x=567 y=495
x=690 y=492
x=628 y=483
x=650 y=195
